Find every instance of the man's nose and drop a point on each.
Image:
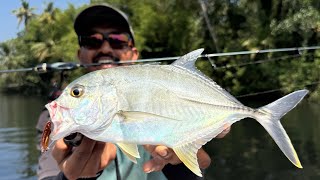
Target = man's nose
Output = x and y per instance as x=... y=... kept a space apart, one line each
x=105 y=47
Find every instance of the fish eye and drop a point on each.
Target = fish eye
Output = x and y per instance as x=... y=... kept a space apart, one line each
x=77 y=91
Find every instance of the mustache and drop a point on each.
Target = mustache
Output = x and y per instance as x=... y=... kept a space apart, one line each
x=99 y=56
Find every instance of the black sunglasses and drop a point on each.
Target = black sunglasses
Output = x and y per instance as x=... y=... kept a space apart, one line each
x=115 y=40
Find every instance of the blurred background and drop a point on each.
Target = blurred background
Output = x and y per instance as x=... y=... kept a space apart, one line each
x=44 y=34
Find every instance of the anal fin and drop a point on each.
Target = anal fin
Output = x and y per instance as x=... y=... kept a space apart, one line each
x=187 y=152
x=188 y=155
x=130 y=150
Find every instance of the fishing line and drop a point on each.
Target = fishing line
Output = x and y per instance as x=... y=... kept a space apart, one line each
x=275 y=90
x=260 y=61
x=298 y=49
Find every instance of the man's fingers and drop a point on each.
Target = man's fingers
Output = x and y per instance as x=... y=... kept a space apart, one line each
x=84 y=160
x=162 y=155
x=162 y=151
x=167 y=154
x=149 y=148
x=73 y=165
x=93 y=164
x=82 y=153
x=60 y=151
x=155 y=164
x=204 y=159
x=108 y=155
x=224 y=132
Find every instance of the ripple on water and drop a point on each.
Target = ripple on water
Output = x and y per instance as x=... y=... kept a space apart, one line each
x=18 y=153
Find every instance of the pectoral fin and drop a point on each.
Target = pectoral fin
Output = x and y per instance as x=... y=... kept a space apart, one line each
x=140 y=116
x=188 y=155
x=130 y=150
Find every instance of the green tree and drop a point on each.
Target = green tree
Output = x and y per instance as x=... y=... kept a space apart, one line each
x=24 y=13
x=252 y=25
x=44 y=42
x=5 y=53
x=48 y=15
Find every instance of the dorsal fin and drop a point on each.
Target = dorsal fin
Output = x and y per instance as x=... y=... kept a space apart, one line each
x=188 y=61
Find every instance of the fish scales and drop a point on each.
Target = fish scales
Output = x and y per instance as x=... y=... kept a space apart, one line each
x=195 y=112
x=182 y=82
x=173 y=105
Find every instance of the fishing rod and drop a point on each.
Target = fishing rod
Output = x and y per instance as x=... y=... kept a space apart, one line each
x=298 y=49
x=45 y=67
x=61 y=66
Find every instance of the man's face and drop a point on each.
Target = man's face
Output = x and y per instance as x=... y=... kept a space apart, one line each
x=107 y=51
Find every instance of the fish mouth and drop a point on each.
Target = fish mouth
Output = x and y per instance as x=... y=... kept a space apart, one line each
x=61 y=127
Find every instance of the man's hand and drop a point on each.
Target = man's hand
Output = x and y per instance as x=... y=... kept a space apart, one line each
x=85 y=160
x=163 y=155
x=92 y=156
x=224 y=132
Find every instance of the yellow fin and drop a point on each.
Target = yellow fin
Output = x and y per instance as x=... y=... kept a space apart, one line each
x=140 y=116
x=130 y=150
x=188 y=155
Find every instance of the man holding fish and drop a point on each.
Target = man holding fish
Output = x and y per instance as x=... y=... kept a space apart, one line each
x=105 y=36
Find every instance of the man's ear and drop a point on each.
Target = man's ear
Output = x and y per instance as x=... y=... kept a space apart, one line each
x=135 y=53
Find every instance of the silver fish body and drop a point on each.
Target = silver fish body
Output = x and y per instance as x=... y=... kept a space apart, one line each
x=172 y=105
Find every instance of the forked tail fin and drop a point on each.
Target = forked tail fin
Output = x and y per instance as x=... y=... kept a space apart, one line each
x=271 y=122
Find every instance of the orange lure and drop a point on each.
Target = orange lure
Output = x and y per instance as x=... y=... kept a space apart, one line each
x=45 y=137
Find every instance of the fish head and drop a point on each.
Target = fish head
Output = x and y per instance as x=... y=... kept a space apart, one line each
x=87 y=105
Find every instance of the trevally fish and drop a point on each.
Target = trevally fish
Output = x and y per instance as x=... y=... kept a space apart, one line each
x=173 y=105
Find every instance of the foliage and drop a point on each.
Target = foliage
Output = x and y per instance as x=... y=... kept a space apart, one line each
x=24 y=13
x=44 y=40
x=174 y=27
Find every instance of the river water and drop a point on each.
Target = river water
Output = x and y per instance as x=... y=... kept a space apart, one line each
x=247 y=152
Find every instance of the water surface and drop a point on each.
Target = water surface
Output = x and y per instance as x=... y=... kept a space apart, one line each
x=18 y=117
x=249 y=153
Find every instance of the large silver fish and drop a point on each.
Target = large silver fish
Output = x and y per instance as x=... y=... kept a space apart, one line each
x=173 y=105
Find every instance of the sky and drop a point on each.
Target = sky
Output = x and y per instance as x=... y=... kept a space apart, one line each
x=9 y=22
